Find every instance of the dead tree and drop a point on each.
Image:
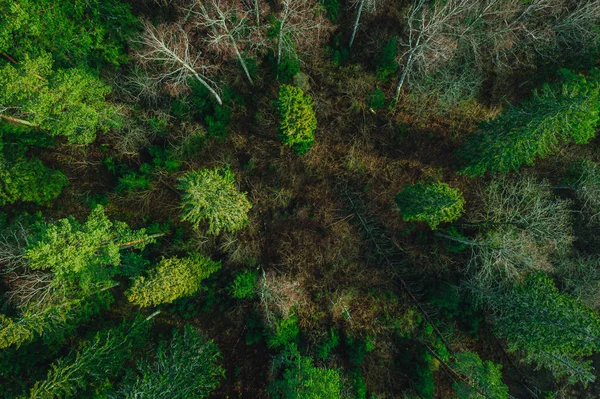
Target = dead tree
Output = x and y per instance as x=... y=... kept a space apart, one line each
x=168 y=48
x=363 y=5
x=227 y=27
x=300 y=26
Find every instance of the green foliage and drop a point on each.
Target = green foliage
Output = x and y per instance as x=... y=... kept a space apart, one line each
x=185 y=367
x=554 y=330
x=216 y=117
x=211 y=196
x=66 y=102
x=386 y=63
x=554 y=116
x=377 y=99
x=358 y=349
x=28 y=179
x=284 y=332
x=302 y=380
x=430 y=203
x=297 y=121
x=332 y=7
x=100 y=358
x=78 y=31
x=84 y=253
x=244 y=285
x=172 y=278
x=483 y=378
x=425 y=383
x=329 y=345
x=52 y=322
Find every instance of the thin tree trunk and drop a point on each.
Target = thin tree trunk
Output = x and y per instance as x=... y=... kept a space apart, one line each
x=279 y=44
x=134 y=242
x=19 y=121
x=257 y=12
x=404 y=73
x=360 y=8
x=239 y=56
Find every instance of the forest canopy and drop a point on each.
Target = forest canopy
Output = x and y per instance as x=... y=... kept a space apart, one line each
x=349 y=199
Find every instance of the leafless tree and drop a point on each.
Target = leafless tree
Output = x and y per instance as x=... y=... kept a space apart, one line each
x=363 y=5
x=498 y=33
x=168 y=48
x=301 y=26
x=227 y=25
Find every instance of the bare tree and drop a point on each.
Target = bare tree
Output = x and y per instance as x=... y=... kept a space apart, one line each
x=363 y=5
x=227 y=24
x=492 y=33
x=300 y=26
x=168 y=48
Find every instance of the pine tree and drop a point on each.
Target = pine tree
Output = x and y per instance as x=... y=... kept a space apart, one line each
x=172 y=279
x=302 y=380
x=66 y=102
x=86 y=253
x=556 y=115
x=211 y=196
x=185 y=367
x=297 y=121
x=430 y=203
x=554 y=330
x=100 y=358
x=483 y=378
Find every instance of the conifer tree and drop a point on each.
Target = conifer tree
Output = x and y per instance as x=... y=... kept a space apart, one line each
x=211 y=196
x=297 y=121
x=172 y=279
x=85 y=253
x=430 y=203
x=64 y=102
x=187 y=366
x=302 y=380
x=554 y=330
x=483 y=378
x=554 y=116
x=100 y=358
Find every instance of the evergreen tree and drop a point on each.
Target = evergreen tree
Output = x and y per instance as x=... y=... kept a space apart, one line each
x=172 y=279
x=554 y=330
x=302 y=380
x=430 y=203
x=52 y=322
x=483 y=378
x=297 y=121
x=99 y=359
x=83 y=253
x=554 y=116
x=211 y=196
x=185 y=367
x=28 y=179
x=76 y=31
x=65 y=102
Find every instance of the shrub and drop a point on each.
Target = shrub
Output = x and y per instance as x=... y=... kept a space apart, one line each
x=244 y=285
x=297 y=118
x=386 y=63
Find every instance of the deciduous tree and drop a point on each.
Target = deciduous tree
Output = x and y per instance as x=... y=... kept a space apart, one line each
x=70 y=102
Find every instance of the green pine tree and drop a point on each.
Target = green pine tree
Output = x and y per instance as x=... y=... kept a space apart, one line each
x=554 y=116
x=297 y=121
x=430 y=203
x=211 y=196
x=172 y=279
